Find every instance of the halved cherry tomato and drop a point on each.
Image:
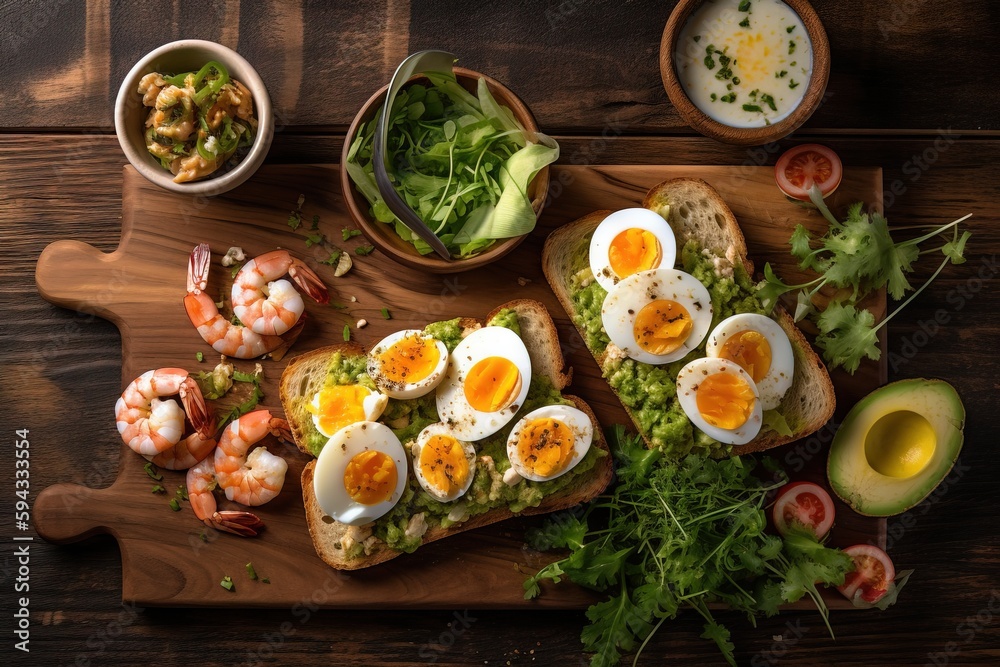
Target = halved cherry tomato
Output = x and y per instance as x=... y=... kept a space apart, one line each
x=799 y=168
x=873 y=572
x=804 y=503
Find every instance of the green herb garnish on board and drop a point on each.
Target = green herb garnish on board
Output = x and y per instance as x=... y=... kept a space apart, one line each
x=347 y=332
x=347 y=233
x=460 y=160
x=858 y=256
x=364 y=250
x=680 y=535
x=227 y=583
x=152 y=472
x=386 y=315
x=174 y=505
x=252 y=573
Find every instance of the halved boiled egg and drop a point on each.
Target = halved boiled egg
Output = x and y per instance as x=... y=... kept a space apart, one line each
x=548 y=442
x=761 y=348
x=630 y=241
x=487 y=382
x=360 y=474
x=720 y=399
x=408 y=364
x=336 y=406
x=657 y=316
x=443 y=465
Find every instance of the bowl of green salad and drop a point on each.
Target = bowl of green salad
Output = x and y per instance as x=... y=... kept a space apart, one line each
x=465 y=154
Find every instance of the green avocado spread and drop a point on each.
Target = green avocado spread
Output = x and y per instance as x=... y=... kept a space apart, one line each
x=408 y=417
x=649 y=391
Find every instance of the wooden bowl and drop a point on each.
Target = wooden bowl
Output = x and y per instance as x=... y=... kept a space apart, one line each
x=383 y=236
x=183 y=56
x=745 y=136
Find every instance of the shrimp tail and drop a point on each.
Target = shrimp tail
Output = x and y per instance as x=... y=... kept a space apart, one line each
x=199 y=265
x=310 y=283
x=196 y=409
x=280 y=428
x=244 y=524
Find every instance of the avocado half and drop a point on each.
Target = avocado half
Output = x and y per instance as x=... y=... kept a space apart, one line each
x=896 y=445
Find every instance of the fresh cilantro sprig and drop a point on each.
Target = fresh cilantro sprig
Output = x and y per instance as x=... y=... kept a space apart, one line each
x=858 y=256
x=679 y=535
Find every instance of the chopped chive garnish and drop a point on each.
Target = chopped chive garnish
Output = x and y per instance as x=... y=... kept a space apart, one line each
x=174 y=505
x=744 y=6
x=769 y=101
x=227 y=583
x=793 y=84
x=252 y=573
x=294 y=220
x=347 y=332
x=199 y=357
x=752 y=107
x=789 y=29
x=203 y=536
x=386 y=314
x=158 y=489
x=791 y=46
x=745 y=23
x=265 y=580
x=151 y=471
x=315 y=224
x=714 y=97
x=697 y=38
x=731 y=97
x=781 y=75
x=182 y=492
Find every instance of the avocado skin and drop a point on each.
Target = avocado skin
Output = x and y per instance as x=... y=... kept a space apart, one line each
x=866 y=491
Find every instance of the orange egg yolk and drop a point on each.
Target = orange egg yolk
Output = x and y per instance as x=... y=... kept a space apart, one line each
x=370 y=477
x=492 y=384
x=340 y=406
x=634 y=250
x=443 y=463
x=751 y=351
x=725 y=400
x=662 y=326
x=545 y=446
x=410 y=359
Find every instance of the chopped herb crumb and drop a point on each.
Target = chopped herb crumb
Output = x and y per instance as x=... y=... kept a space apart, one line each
x=736 y=80
x=332 y=259
x=769 y=101
x=313 y=239
x=232 y=273
x=338 y=306
x=265 y=580
x=744 y=6
x=730 y=97
x=347 y=332
x=151 y=471
x=182 y=492
x=752 y=107
x=781 y=75
x=793 y=84
x=158 y=489
x=203 y=536
x=227 y=583
x=294 y=220
x=793 y=63
x=714 y=97
x=199 y=357
x=791 y=46
x=789 y=29
x=386 y=314
x=364 y=250
x=697 y=38
x=745 y=23
x=315 y=224
x=349 y=233
x=174 y=505
x=252 y=573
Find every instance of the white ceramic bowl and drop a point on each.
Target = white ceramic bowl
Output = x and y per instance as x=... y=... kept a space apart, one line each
x=184 y=56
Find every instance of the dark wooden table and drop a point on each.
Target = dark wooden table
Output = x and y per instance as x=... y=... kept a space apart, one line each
x=912 y=90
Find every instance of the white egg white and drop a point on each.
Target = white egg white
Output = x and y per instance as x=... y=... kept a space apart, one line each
x=373 y=405
x=627 y=298
x=407 y=390
x=465 y=422
x=615 y=224
x=444 y=495
x=773 y=386
x=576 y=420
x=687 y=394
x=328 y=476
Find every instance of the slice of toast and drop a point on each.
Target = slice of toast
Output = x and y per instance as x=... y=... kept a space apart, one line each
x=305 y=375
x=696 y=211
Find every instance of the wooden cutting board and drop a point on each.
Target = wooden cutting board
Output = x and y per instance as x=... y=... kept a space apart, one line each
x=140 y=287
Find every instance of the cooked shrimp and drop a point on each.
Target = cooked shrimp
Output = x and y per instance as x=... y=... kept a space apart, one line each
x=200 y=484
x=255 y=479
x=148 y=423
x=270 y=306
x=174 y=115
x=192 y=168
x=150 y=86
x=185 y=453
x=224 y=336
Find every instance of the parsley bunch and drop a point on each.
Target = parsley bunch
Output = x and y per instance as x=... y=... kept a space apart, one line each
x=680 y=535
x=860 y=256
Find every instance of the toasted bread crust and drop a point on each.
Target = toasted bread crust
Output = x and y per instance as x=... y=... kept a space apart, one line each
x=697 y=211
x=306 y=372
